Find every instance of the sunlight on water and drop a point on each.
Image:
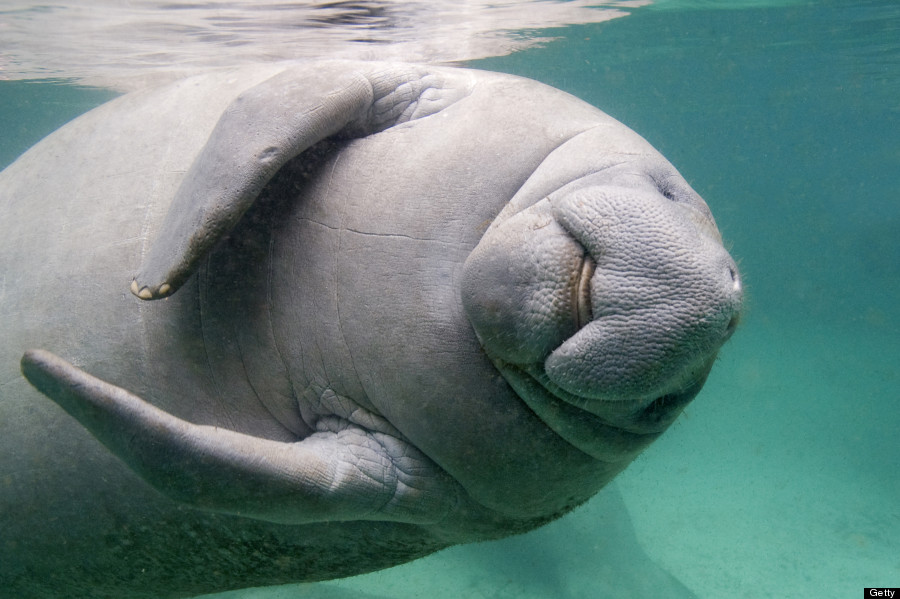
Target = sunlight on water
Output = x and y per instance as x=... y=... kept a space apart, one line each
x=127 y=45
x=722 y=4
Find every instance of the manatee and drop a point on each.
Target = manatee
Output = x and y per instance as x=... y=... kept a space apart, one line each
x=319 y=319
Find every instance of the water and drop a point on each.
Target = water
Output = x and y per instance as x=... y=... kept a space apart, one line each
x=781 y=479
x=123 y=45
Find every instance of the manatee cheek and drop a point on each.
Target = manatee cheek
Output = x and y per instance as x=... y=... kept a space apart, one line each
x=520 y=287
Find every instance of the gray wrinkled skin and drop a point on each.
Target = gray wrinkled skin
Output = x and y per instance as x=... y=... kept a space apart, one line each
x=406 y=307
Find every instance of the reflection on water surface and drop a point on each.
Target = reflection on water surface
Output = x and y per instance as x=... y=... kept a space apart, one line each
x=127 y=45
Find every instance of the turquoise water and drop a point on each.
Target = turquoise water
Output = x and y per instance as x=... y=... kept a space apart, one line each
x=783 y=478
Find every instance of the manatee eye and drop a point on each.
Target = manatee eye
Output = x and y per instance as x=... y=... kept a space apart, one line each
x=582 y=293
x=664 y=189
x=672 y=186
x=667 y=187
x=675 y=189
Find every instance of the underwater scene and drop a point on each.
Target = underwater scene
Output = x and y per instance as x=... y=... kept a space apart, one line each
x=782 y=477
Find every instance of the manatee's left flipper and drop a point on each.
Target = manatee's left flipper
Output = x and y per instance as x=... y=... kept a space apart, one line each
x=348 y=475
x=266 y=126
x=262 y=129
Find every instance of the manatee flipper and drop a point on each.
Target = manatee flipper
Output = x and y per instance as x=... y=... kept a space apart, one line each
x=265 y=127
x=351 y=474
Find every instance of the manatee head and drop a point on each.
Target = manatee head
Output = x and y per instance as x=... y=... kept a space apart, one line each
x=608 y=294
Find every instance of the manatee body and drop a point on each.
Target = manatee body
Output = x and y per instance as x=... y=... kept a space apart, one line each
x=405 y=307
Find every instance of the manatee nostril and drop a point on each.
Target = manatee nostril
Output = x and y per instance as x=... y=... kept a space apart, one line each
x=736 y=289
x=735 y=278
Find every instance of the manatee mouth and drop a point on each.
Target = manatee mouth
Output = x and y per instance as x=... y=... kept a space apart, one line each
x=537 y=373
x=613 y=432
x=626 y=414
x=581 y=292
x=603 y=304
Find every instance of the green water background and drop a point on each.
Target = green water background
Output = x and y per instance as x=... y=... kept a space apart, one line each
x=784 y=475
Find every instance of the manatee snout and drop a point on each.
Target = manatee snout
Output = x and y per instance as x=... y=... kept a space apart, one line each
x=605 y=293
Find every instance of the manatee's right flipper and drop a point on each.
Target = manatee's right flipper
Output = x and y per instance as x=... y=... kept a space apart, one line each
x=351 y=474
x=266 y=126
